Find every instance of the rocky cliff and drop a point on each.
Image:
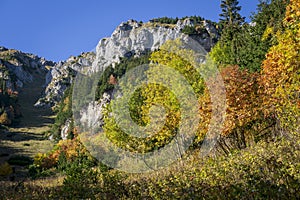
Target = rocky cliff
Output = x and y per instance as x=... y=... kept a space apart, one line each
x=130 y=38
x=133 y=38
x=60 y=77
x=16 y=70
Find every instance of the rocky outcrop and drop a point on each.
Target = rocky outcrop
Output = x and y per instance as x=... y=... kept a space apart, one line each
x=60 y=77
x=92 y=116
x=128 y=39
x=133 y=38
x=18 y=68
x=66 y=129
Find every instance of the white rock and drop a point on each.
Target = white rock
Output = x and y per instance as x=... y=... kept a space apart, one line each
x=65 y=129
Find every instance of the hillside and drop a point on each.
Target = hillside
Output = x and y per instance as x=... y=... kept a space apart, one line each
x=168 y=109
x=25 y=136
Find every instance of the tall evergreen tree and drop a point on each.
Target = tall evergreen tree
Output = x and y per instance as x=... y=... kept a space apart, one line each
x=226 y=52
x=270 y=14
x=230 y=13
x=246 y=44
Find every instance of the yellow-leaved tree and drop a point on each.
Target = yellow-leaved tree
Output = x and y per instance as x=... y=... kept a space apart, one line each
x=280 y=78
x=160 y=102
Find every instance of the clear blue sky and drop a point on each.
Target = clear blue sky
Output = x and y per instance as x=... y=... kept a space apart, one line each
x=56 y=29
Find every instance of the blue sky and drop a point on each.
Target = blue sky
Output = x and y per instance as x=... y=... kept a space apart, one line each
x=56 y=29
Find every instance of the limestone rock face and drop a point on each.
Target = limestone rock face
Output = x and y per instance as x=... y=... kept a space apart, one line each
x=60 y=77
x=133 y=38
x=18 y=68
x=129 y=39
x=91 y=117
x=65 y=130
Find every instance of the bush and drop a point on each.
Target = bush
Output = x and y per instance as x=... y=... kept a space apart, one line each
x=105 y=84
x=44 y=161
x=5 y=169
x=4 y=119
x=63 y=113
x=265 y=171
x=81 y=178
x=190 y=30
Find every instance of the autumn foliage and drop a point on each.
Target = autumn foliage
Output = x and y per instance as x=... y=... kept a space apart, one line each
x=255 y=101
x=68 y=150
x=280 y=77
x=242 y=100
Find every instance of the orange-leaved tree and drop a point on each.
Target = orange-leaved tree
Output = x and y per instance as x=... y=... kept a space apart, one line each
x=280 y=78
x=242 y=101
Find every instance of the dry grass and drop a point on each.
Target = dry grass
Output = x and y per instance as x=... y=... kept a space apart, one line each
x=28 y=137
x=31 y=189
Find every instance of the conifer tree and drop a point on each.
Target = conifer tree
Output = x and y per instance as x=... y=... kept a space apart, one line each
x=230 y=13
x=226 y=52
x=245 y=44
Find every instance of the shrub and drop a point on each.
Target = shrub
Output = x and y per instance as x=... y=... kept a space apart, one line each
x=45 y=161
x=190 y=30
x=111 y=74
x=5 y=169
x=4 y=119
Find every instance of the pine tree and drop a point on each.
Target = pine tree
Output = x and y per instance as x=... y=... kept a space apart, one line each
x=230 y=13
x=226 y=52
x=245 y=44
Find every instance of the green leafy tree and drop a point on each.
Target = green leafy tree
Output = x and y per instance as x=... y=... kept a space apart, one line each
x=269 y=15
x=142 y=101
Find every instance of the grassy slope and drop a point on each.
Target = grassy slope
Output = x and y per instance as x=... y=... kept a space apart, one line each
x=27 y=138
